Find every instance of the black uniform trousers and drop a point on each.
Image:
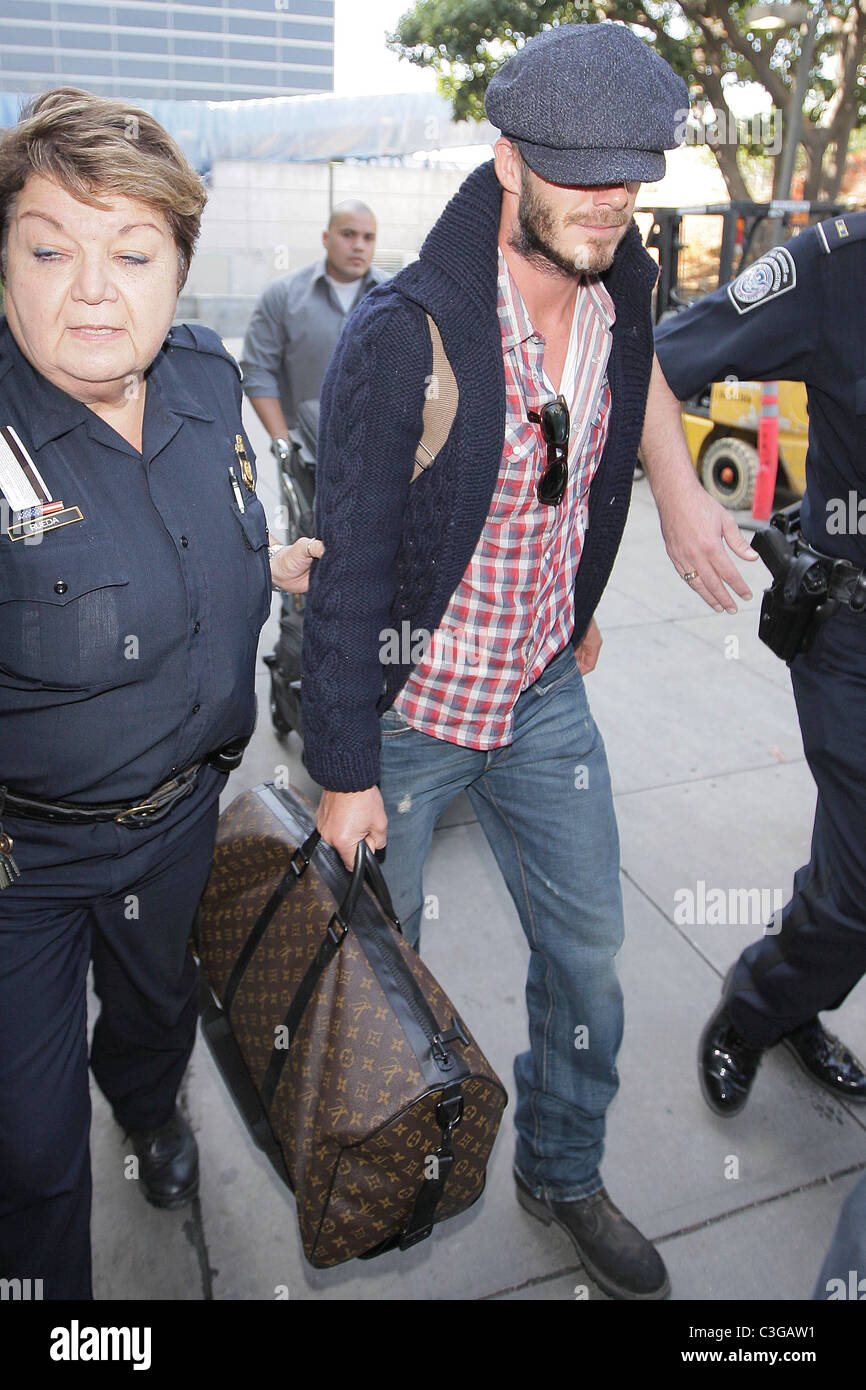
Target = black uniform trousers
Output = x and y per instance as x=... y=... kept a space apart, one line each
x=820 y=953
x=125 y=899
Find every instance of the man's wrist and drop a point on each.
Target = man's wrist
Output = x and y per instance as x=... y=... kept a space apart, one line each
x=273 y=552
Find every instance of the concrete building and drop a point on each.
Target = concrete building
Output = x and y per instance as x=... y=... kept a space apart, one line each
x=210 y=50
x=265 y=219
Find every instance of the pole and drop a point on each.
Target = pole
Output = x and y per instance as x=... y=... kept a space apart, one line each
x=768 y=452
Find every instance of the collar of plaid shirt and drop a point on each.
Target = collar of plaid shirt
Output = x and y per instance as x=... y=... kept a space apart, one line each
x=588 y=342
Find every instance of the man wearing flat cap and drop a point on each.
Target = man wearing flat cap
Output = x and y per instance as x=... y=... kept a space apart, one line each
x=497 y=553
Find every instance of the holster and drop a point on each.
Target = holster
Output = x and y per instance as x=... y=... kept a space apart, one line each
x=798 y=600
x=227 y=758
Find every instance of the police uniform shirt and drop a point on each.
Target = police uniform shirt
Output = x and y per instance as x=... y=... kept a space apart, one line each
x=128 y=638
x=796 y=314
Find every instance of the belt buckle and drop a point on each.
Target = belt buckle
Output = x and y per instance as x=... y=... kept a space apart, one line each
x=175 y=790
x=144 y=809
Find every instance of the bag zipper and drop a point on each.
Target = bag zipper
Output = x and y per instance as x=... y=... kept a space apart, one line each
x=393 y=964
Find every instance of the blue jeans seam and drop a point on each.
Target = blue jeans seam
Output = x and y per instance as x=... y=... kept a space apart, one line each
x=542 y=1193
x=542 y=691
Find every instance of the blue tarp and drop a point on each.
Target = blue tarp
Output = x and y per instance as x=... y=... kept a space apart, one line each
x=306 y=128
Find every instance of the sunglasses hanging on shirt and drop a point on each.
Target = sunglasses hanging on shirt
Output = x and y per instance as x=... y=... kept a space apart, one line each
x=555 y=425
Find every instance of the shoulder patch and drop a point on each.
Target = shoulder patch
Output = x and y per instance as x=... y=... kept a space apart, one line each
x=200 y=339
x=841 y=231
x=774 y=274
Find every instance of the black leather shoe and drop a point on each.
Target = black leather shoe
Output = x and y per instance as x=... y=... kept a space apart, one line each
x=168 y=1162
x=614 y=1253
x=726 y=1064
x=827 y=1060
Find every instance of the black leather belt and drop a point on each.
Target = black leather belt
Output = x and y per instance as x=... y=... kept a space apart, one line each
x=150 y=809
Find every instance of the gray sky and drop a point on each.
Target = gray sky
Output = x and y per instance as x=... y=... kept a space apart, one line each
x=363 y=66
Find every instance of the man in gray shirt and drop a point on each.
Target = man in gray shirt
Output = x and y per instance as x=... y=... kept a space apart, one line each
x=296 y=323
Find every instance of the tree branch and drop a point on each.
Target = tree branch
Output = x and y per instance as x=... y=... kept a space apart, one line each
x=720 y=28
x=725 y=151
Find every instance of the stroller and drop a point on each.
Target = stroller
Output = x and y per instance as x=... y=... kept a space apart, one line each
x=297 y=477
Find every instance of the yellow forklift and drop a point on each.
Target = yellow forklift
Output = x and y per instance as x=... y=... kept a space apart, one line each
x=721 y=420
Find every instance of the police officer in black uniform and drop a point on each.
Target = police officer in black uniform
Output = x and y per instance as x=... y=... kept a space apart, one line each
x=135 y=576
x=795 y=314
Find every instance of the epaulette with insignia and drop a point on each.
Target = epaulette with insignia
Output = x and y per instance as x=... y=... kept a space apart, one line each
x=841 y=231
x=200 y=339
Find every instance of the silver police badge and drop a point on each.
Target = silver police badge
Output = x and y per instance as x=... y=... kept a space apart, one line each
x=774 y=274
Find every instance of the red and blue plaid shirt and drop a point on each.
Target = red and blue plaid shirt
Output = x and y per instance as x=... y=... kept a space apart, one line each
x=513 y=610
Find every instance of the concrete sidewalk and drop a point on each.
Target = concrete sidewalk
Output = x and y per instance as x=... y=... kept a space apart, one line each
x=711 y=786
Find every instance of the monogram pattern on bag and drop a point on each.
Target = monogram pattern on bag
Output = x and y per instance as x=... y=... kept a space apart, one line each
x=352 y=1112
x=376 y=1183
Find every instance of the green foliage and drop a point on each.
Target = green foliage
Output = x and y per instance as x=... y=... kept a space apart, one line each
x=465 y=41
x=708 y=42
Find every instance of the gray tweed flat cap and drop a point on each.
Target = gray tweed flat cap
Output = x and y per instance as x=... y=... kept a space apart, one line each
x=589 y=104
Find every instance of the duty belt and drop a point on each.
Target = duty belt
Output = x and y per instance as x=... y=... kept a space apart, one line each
x=846 y=582
x=147 y=811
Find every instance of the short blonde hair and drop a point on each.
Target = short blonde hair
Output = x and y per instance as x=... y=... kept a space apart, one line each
x=91 y=145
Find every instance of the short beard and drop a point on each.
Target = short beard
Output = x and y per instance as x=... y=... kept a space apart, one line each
x=533 y=238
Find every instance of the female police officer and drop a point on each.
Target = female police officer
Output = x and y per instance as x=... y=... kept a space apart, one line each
x=135 y=575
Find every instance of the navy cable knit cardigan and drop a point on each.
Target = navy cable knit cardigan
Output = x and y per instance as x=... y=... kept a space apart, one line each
x=394 y=553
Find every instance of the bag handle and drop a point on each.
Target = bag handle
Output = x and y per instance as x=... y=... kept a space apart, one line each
x=378 y=886
x=365 y=867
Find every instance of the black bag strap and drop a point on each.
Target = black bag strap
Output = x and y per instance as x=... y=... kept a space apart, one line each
x=224 y=1048
x=333 y=939
x=297 y=867
x=449 y=1113
x=422 y=1217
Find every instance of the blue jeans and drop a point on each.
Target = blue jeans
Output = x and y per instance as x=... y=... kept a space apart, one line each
x=847 y=1253
x=544 y=803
